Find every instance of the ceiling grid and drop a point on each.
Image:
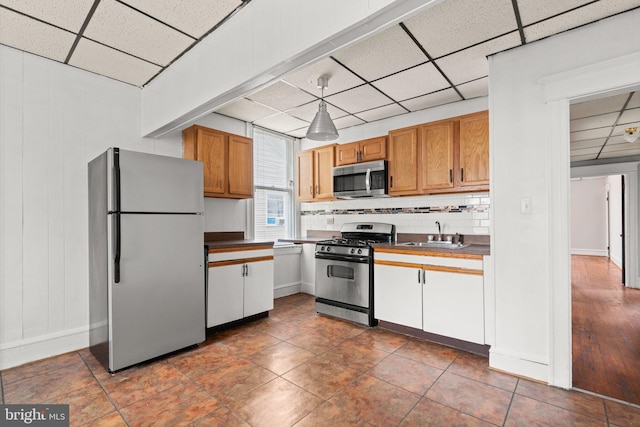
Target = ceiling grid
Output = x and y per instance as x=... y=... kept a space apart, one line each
x=433 y=58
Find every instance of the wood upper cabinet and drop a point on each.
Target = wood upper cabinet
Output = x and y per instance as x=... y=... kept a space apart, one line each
x=404 y=161
x=227 y=159
x=437 y=148
x=474 y=150
x=361 y=151
x=441 y=157
x=304 y=171
x=314 y=169
x=240 y=176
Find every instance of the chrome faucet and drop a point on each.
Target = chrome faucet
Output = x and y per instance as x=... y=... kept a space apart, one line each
x=439 y=231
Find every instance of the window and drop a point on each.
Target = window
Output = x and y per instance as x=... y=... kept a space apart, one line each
x=273 y=192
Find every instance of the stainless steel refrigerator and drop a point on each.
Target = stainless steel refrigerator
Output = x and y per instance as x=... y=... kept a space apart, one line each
x=146 y=257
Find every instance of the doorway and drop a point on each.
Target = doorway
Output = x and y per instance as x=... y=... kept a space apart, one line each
x=605 y=314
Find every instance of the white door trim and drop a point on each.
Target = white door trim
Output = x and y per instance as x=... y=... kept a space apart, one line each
x=581 y=83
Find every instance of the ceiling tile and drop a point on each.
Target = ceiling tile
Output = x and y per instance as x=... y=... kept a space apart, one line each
x=33 y=36
x=587 y=143
x=382 y=54
x=194 y=17
x=281 y=123
x=281 y=96
x=247 y=110
x=582 y=151
x=347 y=121
x=598 y=106
x=593 y=122
x=359 y=99
x=536 y=10
x=613 y=154
x=308 y=111
x=67 y=14
x=437 y=98
x=382 y=112
x=111 y=63
x=583 y=157
x=121 y=27
x=584 y=15
x=419 y=80
x=619 y=130
x=475 y=89
x=298 y=133
x=471 y=64
x=630 y=116
x=454 y=25
x=590 y=134
x=339 y=77
x=635 y=100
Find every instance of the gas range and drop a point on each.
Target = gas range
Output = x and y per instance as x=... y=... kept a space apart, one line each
x=344 y=271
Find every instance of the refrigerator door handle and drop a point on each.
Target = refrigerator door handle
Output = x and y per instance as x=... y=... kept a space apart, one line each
x=116 y=216
x=118 y=245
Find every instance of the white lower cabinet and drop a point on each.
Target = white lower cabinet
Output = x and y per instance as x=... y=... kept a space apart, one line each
x=238 y=286
x=440 y=295
x=453 y=305
x=398 y=295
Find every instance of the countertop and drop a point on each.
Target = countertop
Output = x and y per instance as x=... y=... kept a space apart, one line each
x=471 y=251
x=238 y=244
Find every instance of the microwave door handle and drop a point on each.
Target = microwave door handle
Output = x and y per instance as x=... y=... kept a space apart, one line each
x=367 y=181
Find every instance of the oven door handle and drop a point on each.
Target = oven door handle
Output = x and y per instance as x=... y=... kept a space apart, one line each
x=345 y=258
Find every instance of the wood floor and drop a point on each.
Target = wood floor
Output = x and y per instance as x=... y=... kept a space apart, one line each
x=606 y=330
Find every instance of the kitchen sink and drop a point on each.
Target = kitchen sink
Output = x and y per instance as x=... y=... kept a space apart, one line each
x=443 y=245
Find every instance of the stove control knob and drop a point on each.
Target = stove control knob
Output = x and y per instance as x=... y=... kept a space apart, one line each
x=328 y=248
x=359 y=251
x=321 y=248
x=353 y=250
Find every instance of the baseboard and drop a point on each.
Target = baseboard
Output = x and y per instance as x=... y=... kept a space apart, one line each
x=591 y=252
x=518 y=365
x=308 y=288
x=617 y=261
x=18 y=353
x=286 y=289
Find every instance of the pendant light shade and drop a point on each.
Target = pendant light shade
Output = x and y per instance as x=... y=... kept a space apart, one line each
x=322 y=127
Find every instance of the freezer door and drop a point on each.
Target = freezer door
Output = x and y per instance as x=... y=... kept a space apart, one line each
x=158 y=305
x=152 y=183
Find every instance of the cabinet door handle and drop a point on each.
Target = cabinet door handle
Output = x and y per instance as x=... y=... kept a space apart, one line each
x=424 y=277
x=311 y=189
x=450 y=175
x=461 y=174
x=419 y=277
x=317 y=189
x=246 y=269
x=391 y=182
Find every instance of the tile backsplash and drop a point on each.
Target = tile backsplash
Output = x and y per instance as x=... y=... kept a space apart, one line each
x=466 y=213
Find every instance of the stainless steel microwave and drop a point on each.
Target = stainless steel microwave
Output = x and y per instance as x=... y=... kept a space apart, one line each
x=367 y=179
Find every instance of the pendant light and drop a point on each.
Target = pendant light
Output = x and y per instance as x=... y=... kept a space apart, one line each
x=631 y=134
x=322 y=127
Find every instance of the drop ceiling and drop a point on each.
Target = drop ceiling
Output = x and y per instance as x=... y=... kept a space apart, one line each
x=433 y=58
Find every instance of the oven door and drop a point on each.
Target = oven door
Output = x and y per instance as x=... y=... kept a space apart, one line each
x=342 y=280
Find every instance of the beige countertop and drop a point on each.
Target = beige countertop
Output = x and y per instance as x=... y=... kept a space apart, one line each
x=471 y=251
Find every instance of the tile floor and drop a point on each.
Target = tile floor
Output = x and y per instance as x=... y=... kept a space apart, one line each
x=298 y=368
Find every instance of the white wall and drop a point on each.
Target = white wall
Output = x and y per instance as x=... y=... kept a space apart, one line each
x=614 y=185
x=53 y=120
x=529 y=90
x=589 y=216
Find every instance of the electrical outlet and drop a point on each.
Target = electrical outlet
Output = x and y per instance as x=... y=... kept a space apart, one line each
x=330 y=221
